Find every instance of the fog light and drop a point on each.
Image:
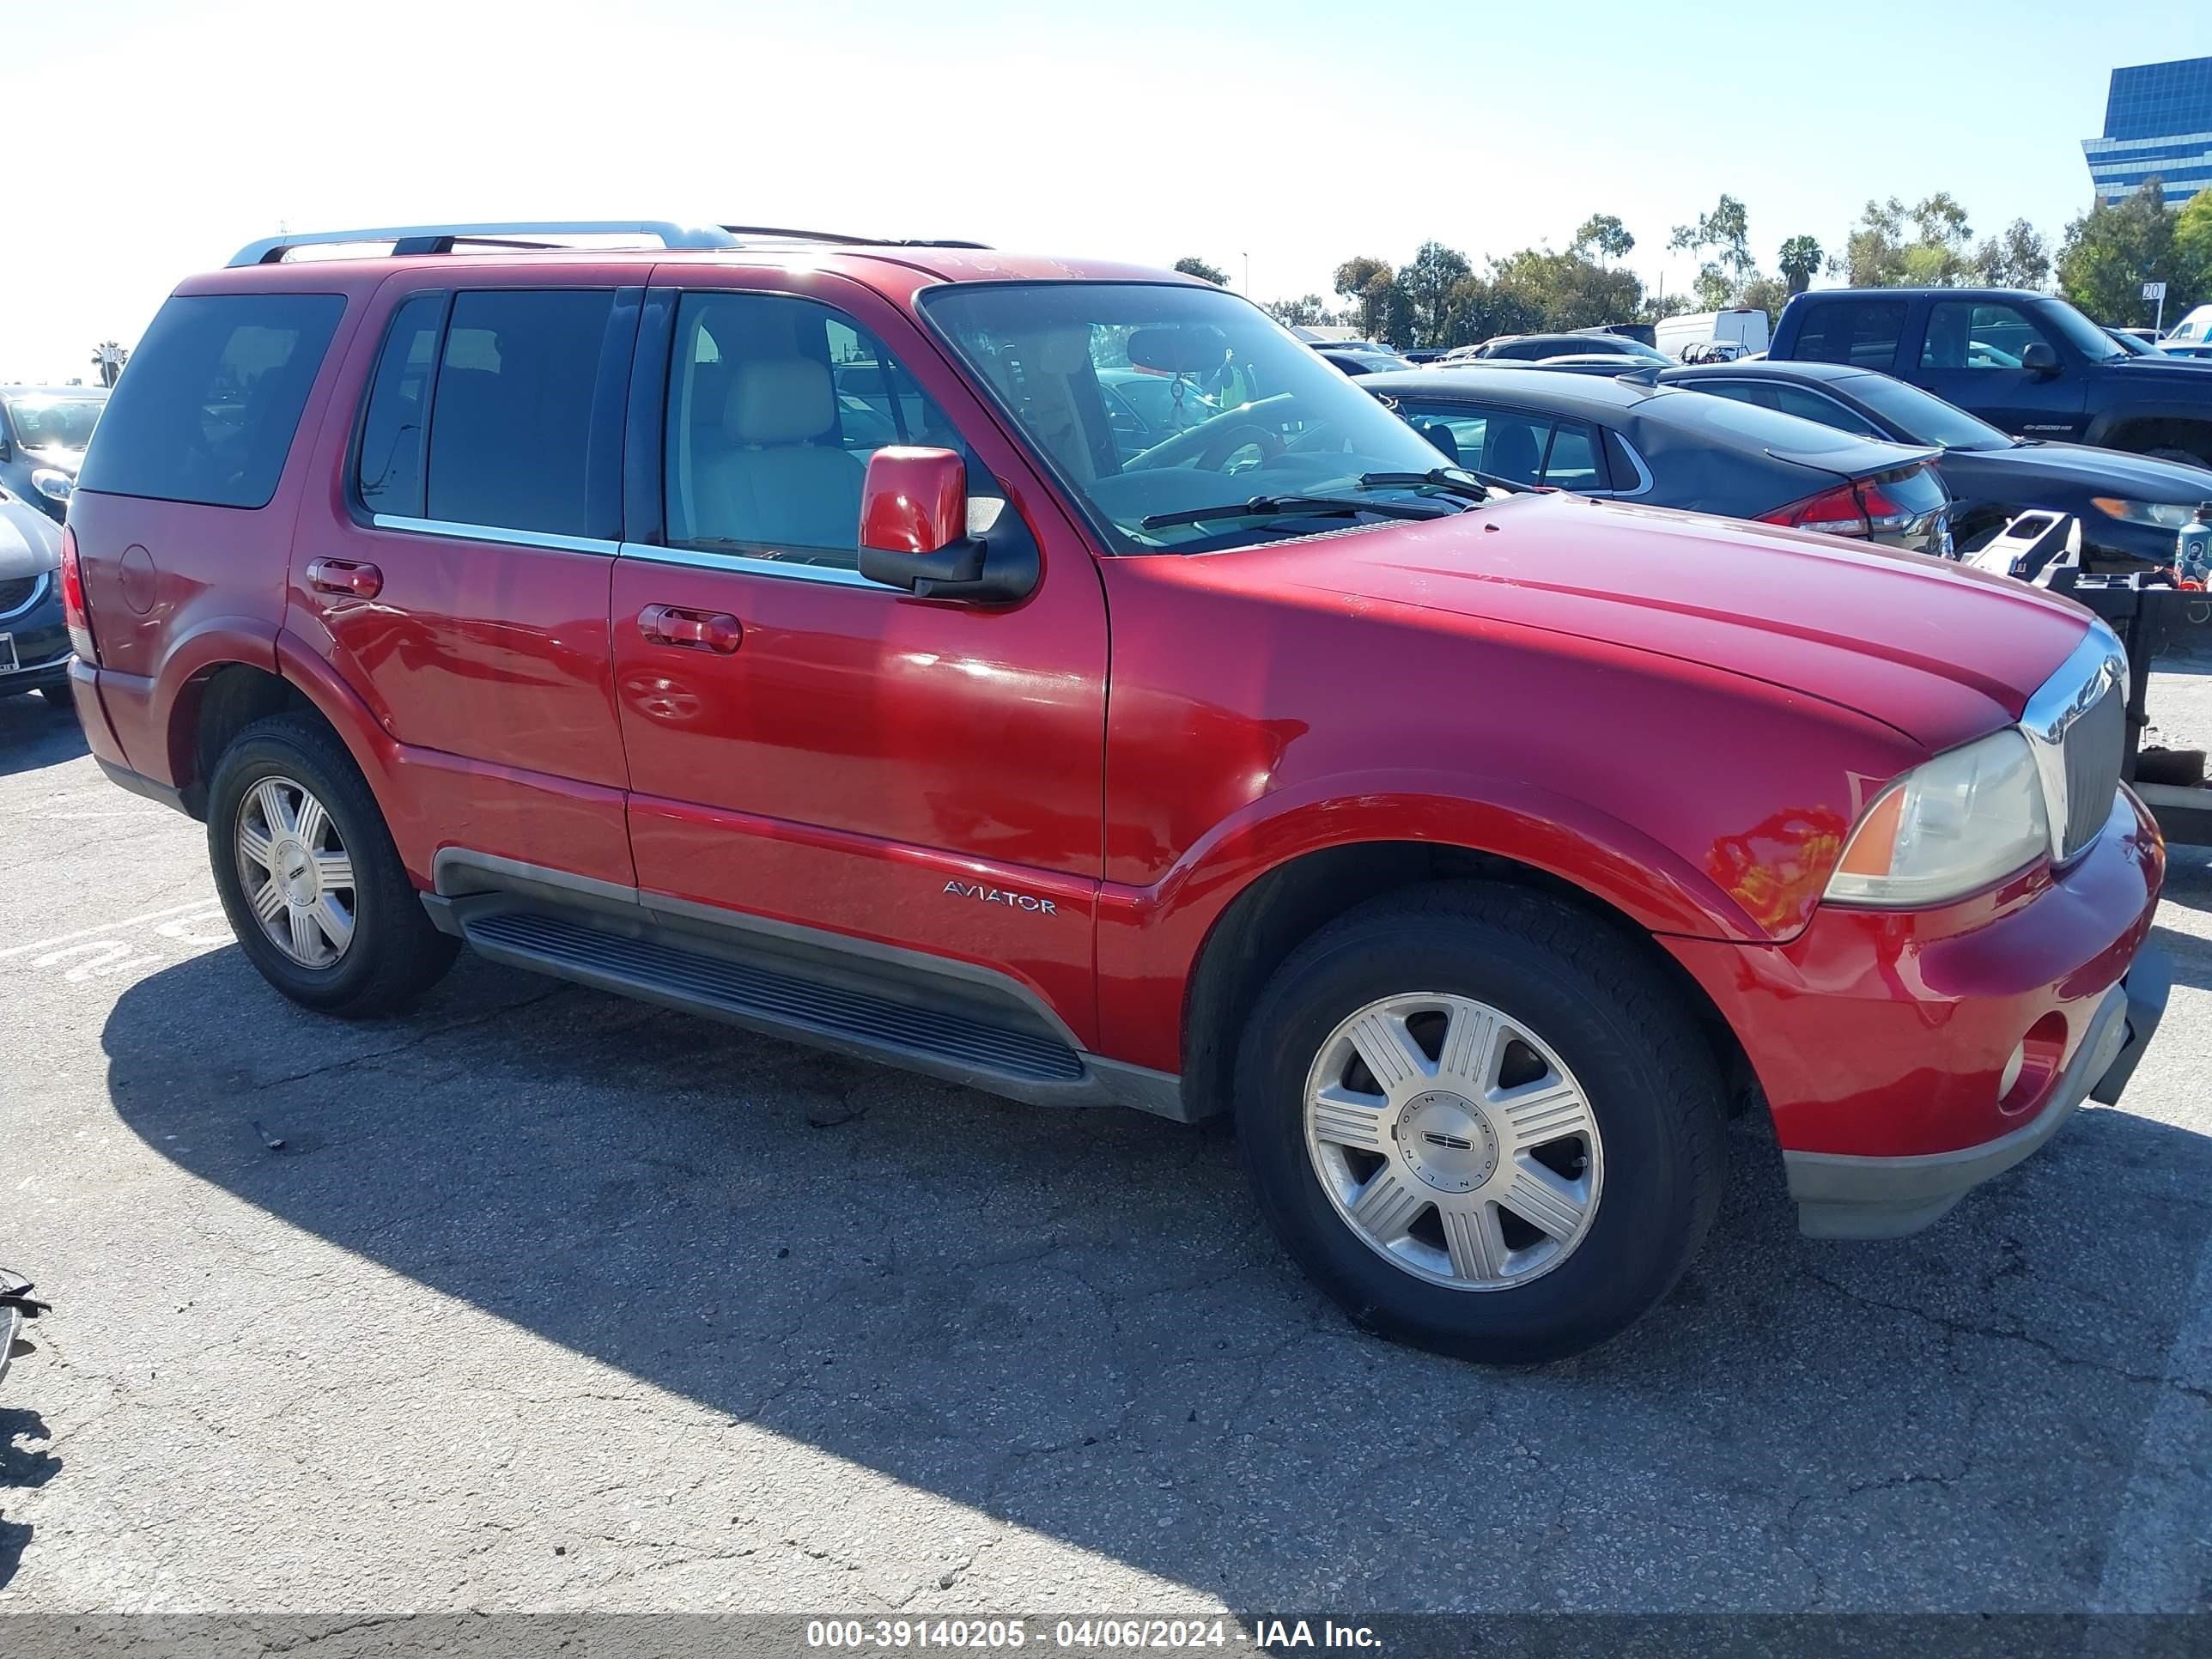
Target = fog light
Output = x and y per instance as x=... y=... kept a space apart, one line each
x=2011 y=1073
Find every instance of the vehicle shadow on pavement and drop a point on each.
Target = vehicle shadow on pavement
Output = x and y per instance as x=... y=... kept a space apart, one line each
x=1076 y=1322
x=35 y=733
x=21 y=1469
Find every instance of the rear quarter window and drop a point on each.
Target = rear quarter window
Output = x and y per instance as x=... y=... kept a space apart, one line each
x=210 y=406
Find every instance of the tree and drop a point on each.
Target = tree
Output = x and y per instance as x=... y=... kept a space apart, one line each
x=1727 y=231
x=1192 y=265
x=1307 y=311
x=1427 y=284
x=2018 y=258
x=1800 y=260
x=1880 y=253
x=1766 y=294
x=2193 y=254
x=1372 y=286
x=1605 y=236
x=2112 y=251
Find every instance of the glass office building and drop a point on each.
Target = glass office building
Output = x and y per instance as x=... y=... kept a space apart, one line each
x=2158 y=120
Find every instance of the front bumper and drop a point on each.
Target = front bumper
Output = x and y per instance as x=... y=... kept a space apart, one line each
x=1840 y=1196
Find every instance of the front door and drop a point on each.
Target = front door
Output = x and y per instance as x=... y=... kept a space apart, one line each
x=1971 y=356
x=805 y=744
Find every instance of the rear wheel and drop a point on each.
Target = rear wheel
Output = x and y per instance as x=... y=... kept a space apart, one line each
x=309 y=878
x=1482 y=1122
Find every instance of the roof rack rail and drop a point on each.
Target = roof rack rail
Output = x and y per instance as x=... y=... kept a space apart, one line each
x=440 y=239
x=853 y=241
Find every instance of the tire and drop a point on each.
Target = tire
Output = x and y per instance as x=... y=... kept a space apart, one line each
x=1581 y=1013
x=393 y=951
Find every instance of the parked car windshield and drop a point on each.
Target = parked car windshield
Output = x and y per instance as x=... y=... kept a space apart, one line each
x=1924 y=417
x=1289 y=423
x=1624 y=346
x=54 y=422
x=2084 y=336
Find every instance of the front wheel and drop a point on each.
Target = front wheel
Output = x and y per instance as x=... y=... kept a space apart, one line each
x=308 y=876
x=1482 y=1122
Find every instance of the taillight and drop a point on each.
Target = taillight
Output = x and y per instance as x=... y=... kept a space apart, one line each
x=73 y=606
x=1863 y=508
x=1836 y=511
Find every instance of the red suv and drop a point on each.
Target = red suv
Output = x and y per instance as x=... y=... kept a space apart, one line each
x=786 y=631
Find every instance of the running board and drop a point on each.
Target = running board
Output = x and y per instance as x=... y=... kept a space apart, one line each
x=772 y=998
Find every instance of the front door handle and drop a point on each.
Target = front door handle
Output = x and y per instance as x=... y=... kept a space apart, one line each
x=355 y=581
x=702 y=631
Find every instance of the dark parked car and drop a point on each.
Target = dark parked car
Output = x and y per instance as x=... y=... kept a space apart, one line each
x=34 y=643
x=43 y=432
x=2130 y=506
x=1536 y=348
x=1587 y=363
x=2028 y=364
x=1362 y=360
x=1599 y=435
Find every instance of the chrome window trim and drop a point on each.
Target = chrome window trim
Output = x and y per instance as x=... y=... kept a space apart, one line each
x=486 y=533
x=41 y=581
x=740 y=564
x=1643 y=472
x=2093 y=667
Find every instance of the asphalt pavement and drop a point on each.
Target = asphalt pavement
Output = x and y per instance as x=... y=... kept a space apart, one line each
x=535 y=1298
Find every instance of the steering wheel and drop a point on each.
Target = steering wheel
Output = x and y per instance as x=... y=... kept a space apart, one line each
x=1208 y=442
x=1214 y=457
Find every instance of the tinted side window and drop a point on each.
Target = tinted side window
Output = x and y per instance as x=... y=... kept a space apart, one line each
x=510 y=431
x=209 y=407
x=396 y=431
x=1963 y=334
x=774 y=405
x=1571 y=461
x=1860 y=331
x=1497 y=441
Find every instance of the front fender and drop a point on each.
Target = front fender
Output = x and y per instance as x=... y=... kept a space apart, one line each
x=1754 y=887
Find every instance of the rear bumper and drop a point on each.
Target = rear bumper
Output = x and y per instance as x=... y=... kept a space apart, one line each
x=1841 y=1196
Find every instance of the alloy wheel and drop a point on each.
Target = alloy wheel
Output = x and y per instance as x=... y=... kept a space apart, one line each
x=1453 y=1141
x=295 y=872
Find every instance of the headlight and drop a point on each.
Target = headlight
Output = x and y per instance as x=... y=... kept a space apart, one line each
x=2164 y=514
x=54 y=485
x=1956 y=824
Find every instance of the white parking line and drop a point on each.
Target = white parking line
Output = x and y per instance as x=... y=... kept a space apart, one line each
x=2156 y=1562
x=37 y=946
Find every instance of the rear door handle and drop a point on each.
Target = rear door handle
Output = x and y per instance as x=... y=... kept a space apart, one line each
x=356 y=581
x=701 y=630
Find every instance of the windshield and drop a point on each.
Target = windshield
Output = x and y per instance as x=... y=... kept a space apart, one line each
x=54 y=422
x=2084 y=336
x=1288 y=424
x=1924 y=418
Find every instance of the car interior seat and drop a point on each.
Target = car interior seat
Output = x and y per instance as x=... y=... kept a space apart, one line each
x=780 y=476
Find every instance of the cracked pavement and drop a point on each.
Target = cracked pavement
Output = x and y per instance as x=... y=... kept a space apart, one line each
x=551 y=1301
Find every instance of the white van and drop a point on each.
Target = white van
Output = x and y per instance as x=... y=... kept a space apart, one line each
x=1741 y=326
x=2195 y=329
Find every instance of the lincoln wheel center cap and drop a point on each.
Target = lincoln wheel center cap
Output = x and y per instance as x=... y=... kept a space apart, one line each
x=1447 y=1141
x=296 y=872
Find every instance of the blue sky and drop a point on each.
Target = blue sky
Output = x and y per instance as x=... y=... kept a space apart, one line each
x=1292 y=132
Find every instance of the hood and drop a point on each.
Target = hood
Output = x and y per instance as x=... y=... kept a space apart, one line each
x=2108 y=471
x=1939 y=653
x=2187 y=370
x=62 y=460
x=30 y=542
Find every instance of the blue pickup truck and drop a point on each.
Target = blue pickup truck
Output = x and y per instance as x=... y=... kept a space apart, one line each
x=2029 y=364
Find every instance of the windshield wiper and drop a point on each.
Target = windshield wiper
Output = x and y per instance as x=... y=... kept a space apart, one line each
x=1453 y=478
x=1289 y=507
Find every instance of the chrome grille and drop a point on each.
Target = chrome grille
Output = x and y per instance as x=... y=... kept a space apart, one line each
x=2076 y=723
x=17 y=593
x=2093 y=747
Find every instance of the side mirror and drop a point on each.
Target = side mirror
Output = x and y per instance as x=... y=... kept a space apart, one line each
x=2037 y=358
x=914 y=532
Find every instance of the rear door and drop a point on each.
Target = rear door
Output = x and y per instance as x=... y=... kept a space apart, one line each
x=457 y=572
x=1864 y=332
x=1971 y=353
